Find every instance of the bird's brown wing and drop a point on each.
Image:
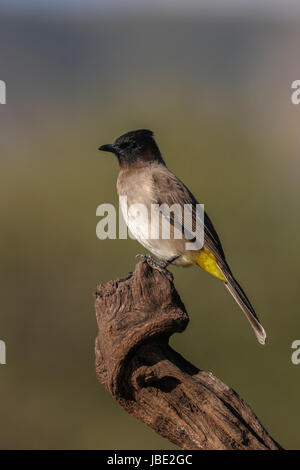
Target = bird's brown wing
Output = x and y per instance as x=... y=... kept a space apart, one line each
x=168 y=189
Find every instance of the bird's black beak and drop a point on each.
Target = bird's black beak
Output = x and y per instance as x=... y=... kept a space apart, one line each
x=107 y=148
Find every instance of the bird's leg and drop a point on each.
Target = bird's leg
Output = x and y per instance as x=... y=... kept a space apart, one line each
x=152 y=262
x=170 y=260
x=159 y=265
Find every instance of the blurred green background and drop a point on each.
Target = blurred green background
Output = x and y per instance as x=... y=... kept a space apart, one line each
x=215 y=89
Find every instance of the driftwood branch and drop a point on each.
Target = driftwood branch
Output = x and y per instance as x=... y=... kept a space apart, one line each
x=189 y=407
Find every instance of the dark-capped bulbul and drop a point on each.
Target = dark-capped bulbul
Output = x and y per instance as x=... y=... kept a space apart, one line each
x=144 y=179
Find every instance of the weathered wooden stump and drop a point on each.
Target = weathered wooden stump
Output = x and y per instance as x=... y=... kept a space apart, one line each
x=189 y=407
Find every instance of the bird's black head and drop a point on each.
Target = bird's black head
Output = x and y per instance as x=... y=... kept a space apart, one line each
x=134 y=147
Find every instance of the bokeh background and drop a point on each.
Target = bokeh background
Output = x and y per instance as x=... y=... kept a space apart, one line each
x=213 y=81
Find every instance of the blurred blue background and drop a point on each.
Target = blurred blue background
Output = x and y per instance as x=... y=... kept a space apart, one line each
x=213 y=81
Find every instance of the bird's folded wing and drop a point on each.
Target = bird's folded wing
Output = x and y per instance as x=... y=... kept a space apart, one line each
x=169 y=190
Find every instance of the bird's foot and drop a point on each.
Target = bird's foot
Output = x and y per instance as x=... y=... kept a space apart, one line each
x=160 y=266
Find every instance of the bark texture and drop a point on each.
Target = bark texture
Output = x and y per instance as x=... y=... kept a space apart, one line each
x=189 y=407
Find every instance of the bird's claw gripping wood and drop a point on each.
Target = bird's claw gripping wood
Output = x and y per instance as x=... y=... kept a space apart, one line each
x=153 y=263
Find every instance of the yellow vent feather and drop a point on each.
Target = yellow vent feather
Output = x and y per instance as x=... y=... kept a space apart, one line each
x=207 y=261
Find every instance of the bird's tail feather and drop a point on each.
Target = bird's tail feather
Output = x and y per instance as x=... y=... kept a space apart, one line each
x=242 y=300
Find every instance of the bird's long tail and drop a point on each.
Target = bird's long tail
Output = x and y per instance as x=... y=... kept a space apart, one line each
x=220 y=269
x=242 y=300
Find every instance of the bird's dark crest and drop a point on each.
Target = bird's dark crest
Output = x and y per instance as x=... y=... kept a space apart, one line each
x=139 y=134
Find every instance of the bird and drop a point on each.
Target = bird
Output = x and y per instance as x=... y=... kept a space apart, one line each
x=144 y=179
